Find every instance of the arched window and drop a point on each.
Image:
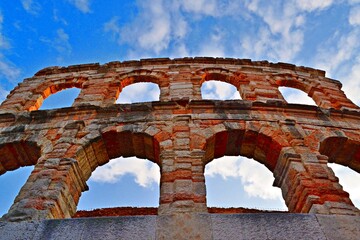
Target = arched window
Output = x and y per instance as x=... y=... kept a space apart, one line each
x=123 y=182
x=241 y=182
x=10 y=185
x=61 y=99
x=293 y=95
x=349 y=179
x=218 y=90
x=139 y=92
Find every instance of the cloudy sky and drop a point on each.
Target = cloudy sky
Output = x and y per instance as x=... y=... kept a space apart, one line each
x=35 y=34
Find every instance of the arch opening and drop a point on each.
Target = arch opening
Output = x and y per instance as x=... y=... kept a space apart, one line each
x=349 y=179
x=344 y=159
x=16 y=163
x=10 y=184
x=18 y=154
x=293 y=95
x=243 y=157
x=343 y=151
x=139 y=92
x=219 y=90
x=246 y=143
x=61 y=99
x=132 y=175
x=240 y=182
x=133 y=183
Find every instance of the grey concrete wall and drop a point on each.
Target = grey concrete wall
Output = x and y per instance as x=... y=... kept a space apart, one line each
x=193 y=226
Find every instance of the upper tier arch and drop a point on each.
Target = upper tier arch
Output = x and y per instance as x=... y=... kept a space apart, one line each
x=177 y=78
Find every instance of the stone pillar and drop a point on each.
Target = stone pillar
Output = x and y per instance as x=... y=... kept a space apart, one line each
x=182 y=211
x=180 y=83
x=54 y=186
x=254 y=87
x=52 y=191
x=99 y=90
x=182 y=186
x=309 y=185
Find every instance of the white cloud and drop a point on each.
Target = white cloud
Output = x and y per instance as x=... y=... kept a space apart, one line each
x=3 y=94
x=351 y=2
x=180 y=51
x=4 y=43
x=352 y=82
x=113 y=27
x=349 y=179
x=311 y=5
x=255 y=177
x=60 y=43
x=161 y=25
x=214 y=46
x=139 y=92
x=331 y=56
x=157 y=36
x=281 y=36
x=151 y=30
x=82 y=5
x=354 y=16
x=225 y=167
x=145 y=172
x=8 y=69
x=57 y=18
x=200 y=6
x=31 y=6
x=219 y=90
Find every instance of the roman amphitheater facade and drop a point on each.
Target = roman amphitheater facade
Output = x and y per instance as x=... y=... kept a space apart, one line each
x=181 y=133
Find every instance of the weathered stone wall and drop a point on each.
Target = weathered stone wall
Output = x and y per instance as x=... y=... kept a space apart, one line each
x=181 y=133
x=269 y=226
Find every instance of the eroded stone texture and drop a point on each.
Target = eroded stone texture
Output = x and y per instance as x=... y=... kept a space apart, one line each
x=181 y=133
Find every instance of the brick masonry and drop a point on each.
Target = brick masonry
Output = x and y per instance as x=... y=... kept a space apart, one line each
x=181 y=132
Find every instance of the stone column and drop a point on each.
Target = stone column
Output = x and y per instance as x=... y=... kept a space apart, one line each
x=309 y=185
x=54 y=186
x=256 y=87
x=182 y=187
x=182 y=211
x=180 y=83
x=100 y=90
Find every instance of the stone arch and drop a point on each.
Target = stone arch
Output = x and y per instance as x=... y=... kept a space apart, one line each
x=219 y=74
x=43 y=91
x=343 y=150
x=289 y=80
x=261 y=142
x=18 y=153
x=119 y=141
x=302 y=84
x=144 y=75
x=258 y=141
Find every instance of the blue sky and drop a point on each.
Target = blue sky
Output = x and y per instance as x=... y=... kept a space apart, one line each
x=35 y=34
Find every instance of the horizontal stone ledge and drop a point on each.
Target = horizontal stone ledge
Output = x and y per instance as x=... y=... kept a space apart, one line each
x=148 y=110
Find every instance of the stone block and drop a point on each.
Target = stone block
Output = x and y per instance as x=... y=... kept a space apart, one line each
x=184 y=226
x=340 y=226
x=106 y=228
x=266 y=226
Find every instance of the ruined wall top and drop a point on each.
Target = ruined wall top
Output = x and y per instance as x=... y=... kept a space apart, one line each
x=177 y=78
